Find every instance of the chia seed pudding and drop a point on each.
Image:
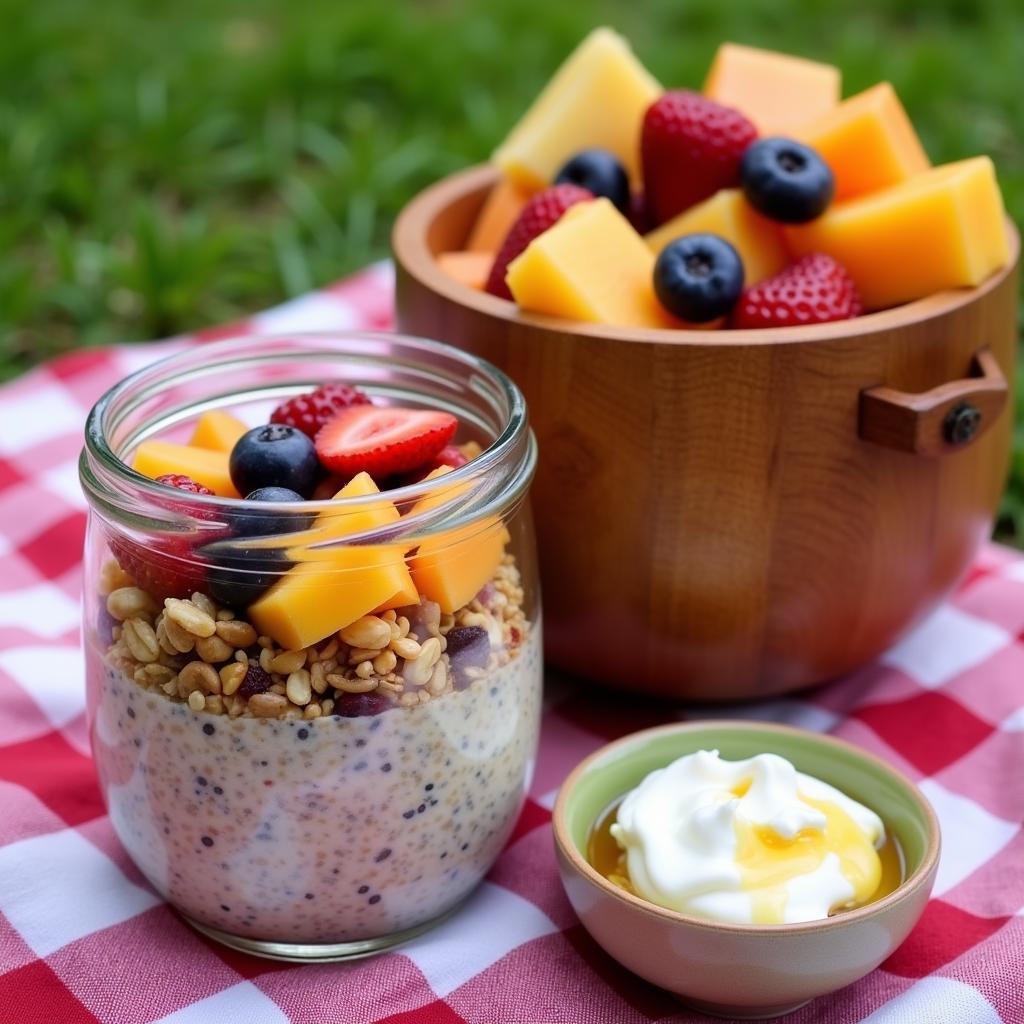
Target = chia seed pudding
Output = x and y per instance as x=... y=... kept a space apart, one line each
x=328 y=830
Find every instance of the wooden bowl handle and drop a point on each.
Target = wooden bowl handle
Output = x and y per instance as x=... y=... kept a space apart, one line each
x=945 y=419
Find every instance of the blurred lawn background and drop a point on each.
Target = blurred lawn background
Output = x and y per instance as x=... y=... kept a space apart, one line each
x=171 y=164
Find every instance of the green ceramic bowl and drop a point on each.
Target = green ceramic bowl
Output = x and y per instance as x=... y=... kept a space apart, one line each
x=744 y=971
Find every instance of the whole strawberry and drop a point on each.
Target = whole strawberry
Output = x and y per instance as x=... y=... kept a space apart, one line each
x=168 y=567
x=815 y=290
x=309 y=412
x=690 y=147
x=541 y=212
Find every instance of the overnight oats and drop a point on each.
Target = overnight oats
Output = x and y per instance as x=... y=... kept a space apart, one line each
x=312 y=633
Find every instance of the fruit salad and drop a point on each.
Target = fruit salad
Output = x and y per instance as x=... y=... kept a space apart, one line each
x=313 y=719
x=762 y=200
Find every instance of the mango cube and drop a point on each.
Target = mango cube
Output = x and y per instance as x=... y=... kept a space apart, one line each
x=329 y=588
x=500 y=211
x=206 y=467
x=868 y=141
x=727 y=214
x=776 y=91
x=598 y=97
x=592 y=266
x=453 y=566
x=218 y=431
x=469 y=268
x=945 y=228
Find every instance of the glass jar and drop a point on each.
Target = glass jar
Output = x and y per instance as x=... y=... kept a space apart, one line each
x=304 y=767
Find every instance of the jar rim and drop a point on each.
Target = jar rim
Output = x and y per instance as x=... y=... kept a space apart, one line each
x=108 y=479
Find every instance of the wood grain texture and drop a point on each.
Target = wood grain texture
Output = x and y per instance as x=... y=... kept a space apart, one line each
x=710 y=523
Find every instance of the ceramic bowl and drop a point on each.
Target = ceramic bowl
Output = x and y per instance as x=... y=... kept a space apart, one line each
x=743 y=971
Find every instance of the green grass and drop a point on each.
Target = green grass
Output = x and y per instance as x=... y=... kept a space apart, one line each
x=176 y=163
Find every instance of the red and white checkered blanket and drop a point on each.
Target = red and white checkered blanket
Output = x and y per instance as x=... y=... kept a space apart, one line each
x=84 y=938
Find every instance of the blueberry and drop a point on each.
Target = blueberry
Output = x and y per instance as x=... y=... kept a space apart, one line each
x=599 y=172
x=786 y=180
x=255 y=523
x=239 y=574
x=698 y=277
x=275 y=455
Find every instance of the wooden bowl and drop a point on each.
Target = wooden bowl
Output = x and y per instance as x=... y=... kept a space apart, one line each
x=734 y=514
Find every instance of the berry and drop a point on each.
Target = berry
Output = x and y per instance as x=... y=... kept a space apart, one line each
x=359 y=705
x=275 y=455
x=382 y=441
x=181 y=482
x=467 y=647
x=690 y=147
x=815 y=290
x=256 y=680
x=165 y=566
x=450 y=455
x=239 y=574
x=698 y=277
x=540 y=212
x=309 y=412
x=600 y=173
x=786 y=180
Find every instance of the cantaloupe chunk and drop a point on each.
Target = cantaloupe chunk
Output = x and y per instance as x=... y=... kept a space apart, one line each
x=778 y=92
x=329 y=588
x=209 y=468
x=453 y=566
x=598 y=97
x=501 y=208
x=591 y=266
x=868 y=141
x=945 y=228
x=728 y=215
x=217 y=431
x=469 y=268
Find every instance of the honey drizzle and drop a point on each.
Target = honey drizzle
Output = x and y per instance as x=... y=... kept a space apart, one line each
x=608 y=859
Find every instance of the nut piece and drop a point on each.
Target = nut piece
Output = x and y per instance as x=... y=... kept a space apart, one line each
x=369 y=632
x=190 y=617
x=204 y=604
x=417 y=671
x=196 y=701
x=213 y=649
x=197 y=675
x=127 y=602
x=138 y=634
x=287 y=662
x=113 y=577
x=406 y=648
x=267 y=705
x=352 y=685
x=178 y=638
x=236 y=633
x=298 y=688
x=231 y=677
x=384 y=663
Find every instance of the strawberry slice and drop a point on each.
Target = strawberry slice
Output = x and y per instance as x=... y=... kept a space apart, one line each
x=382 y=441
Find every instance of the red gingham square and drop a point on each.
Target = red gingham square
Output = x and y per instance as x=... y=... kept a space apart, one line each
x=946 y=707
x=931 y=730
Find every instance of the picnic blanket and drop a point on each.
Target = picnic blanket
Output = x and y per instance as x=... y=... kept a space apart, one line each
x=84 y=938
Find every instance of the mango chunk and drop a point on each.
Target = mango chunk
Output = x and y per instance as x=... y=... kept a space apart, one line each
x=944 y=228
x=591 y=266
x=328 y=589
x=598 y=97
x=469 y=268
x=868 y=141
x=209 y=468
x=776 y=91
x=452 y=567
x=218 y=431
x=727 y=214
x=500 y=211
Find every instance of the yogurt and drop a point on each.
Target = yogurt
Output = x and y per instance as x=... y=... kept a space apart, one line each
x=747 y=842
